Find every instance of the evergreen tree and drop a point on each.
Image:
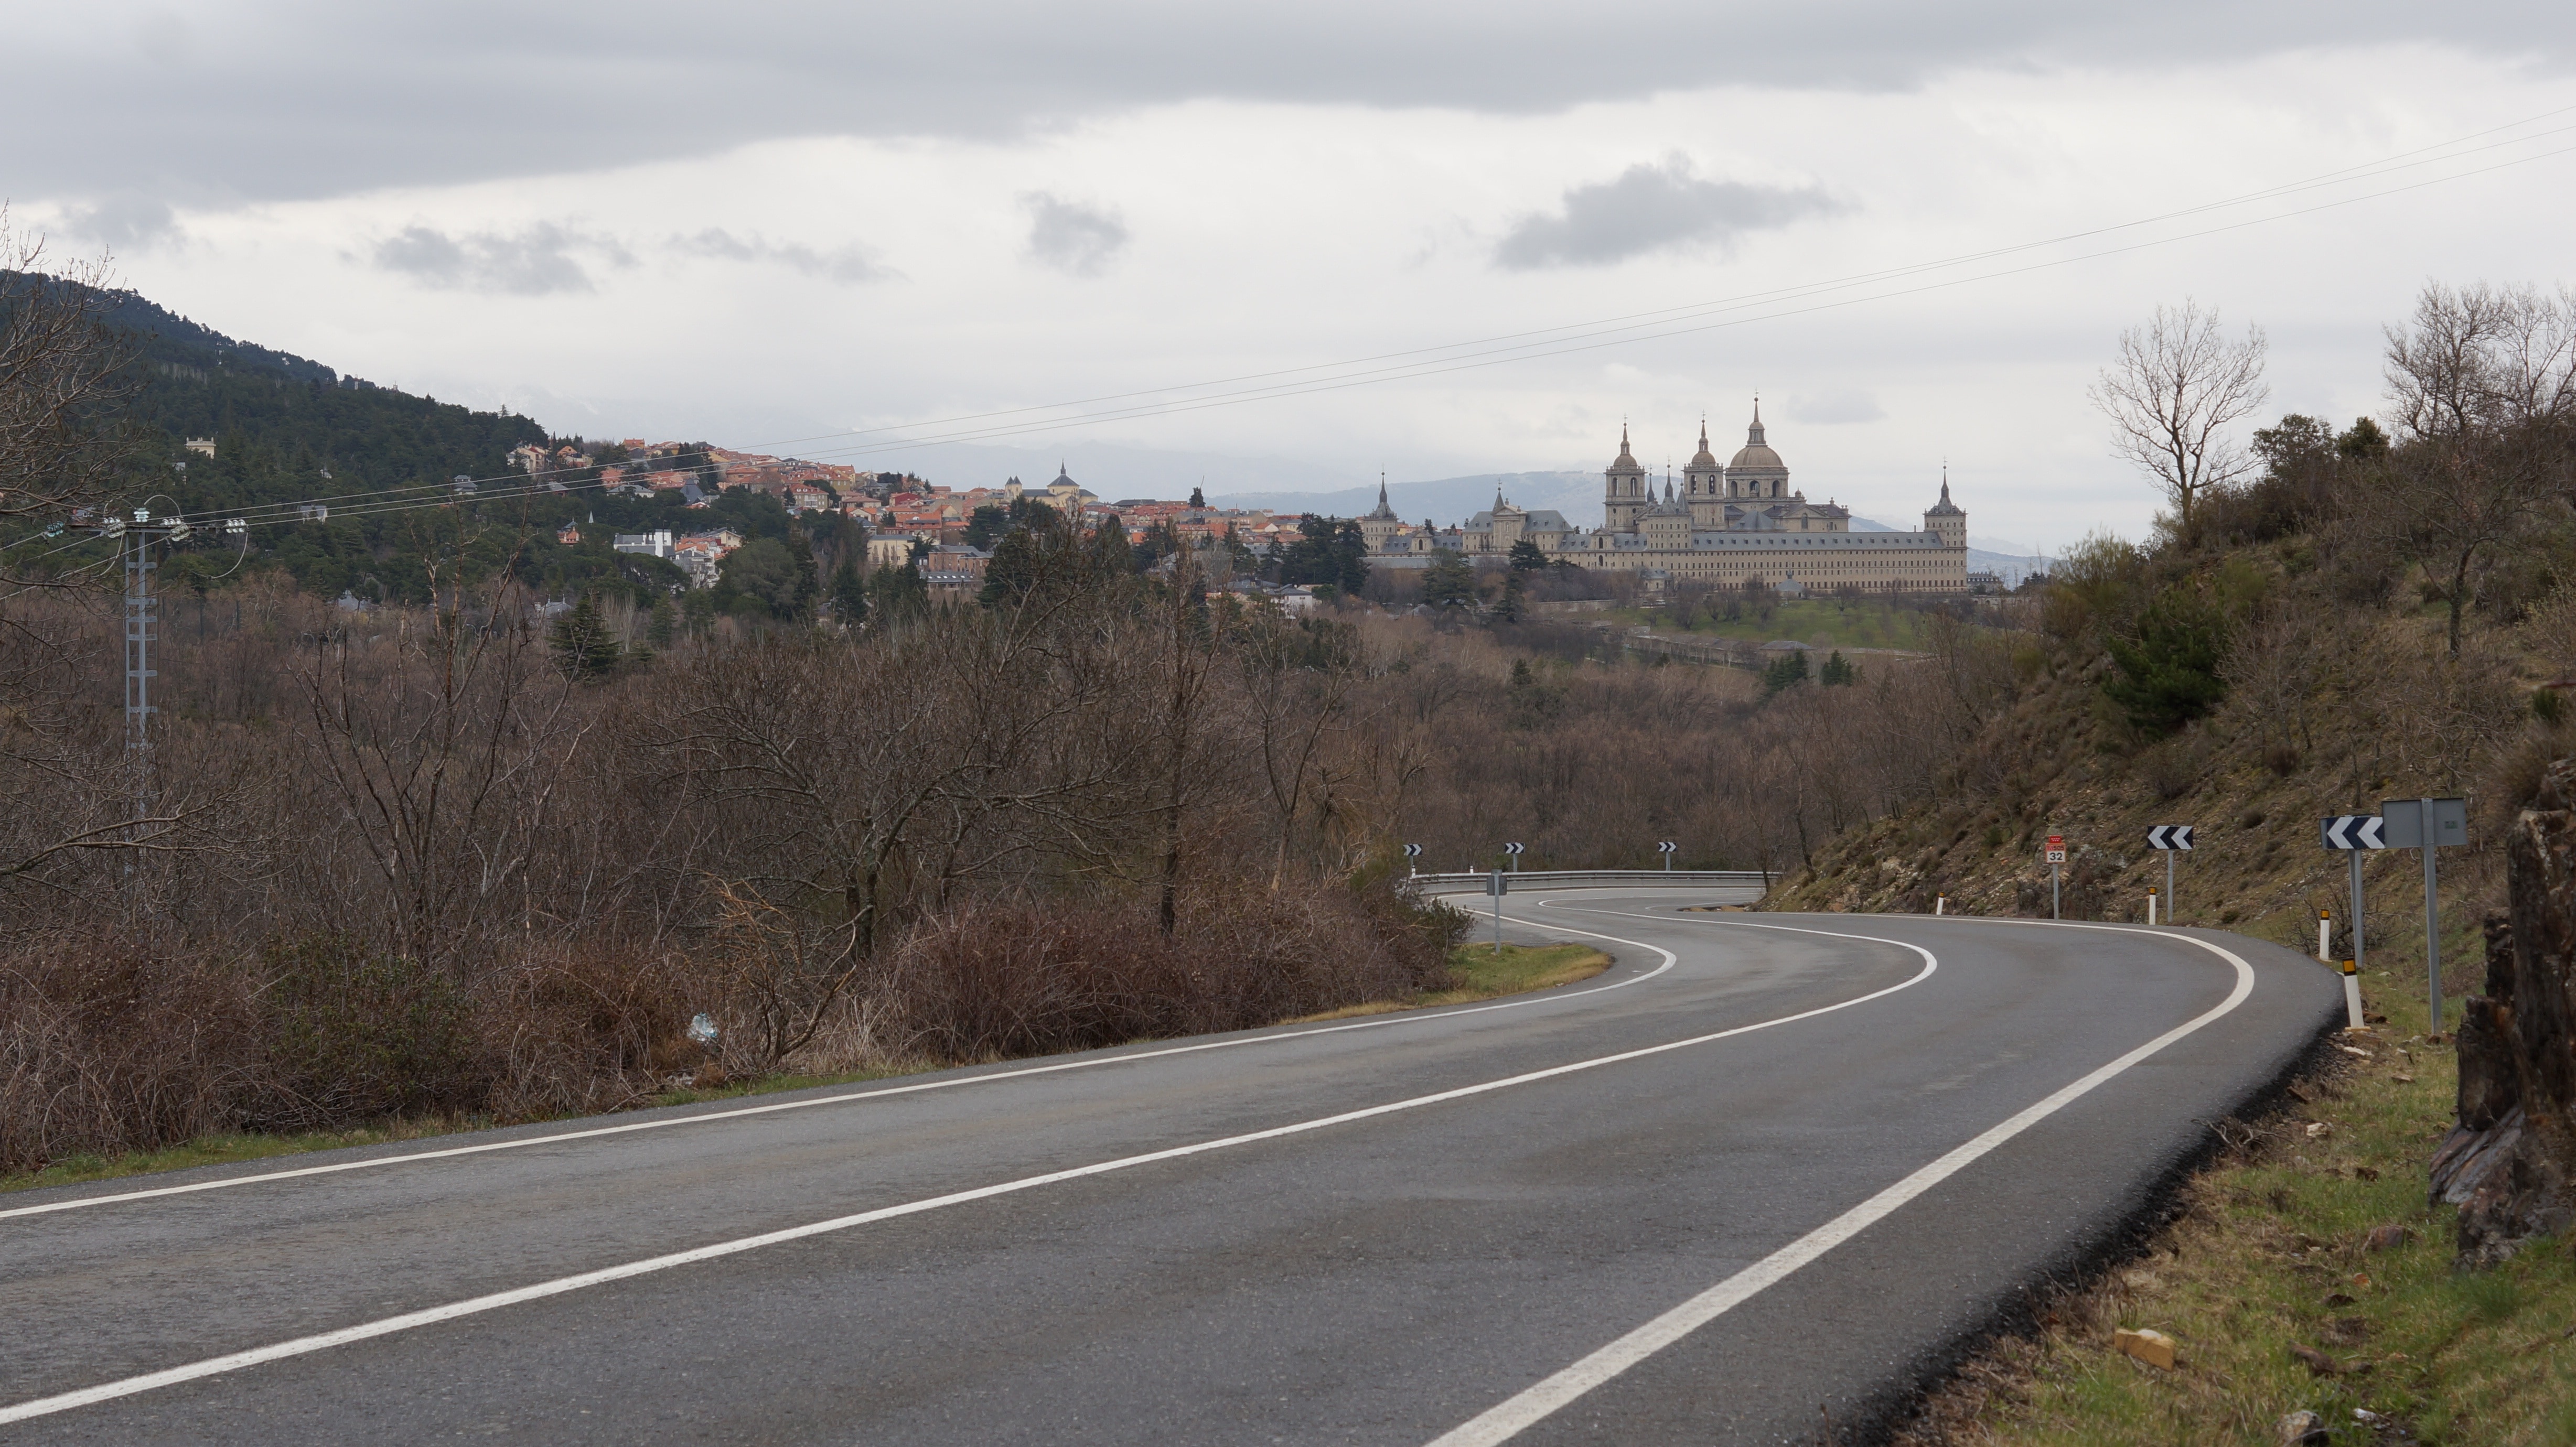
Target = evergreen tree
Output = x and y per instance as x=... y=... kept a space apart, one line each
x=1837 y=671
x=1526 y=557
x=1511 y=606
x=849 y=592
x=2169 y=671
x=1198 y=497
x=897 y=594
x=664 y=624
x=1786 y=672
x=583 y=647
x=809 y=581
x=1013 y=571
x=986 y=524
x=1448 y=582
x=1112 y=556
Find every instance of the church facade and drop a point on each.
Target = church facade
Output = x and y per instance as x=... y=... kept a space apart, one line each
x=1739 y=525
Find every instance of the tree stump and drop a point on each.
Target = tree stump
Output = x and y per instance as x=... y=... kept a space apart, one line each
x=2509 y=1163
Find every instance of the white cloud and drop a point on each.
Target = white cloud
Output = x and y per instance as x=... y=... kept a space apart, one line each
x=1073 y=238
x=848 y=263
x=531 y=261
x=1651 y=208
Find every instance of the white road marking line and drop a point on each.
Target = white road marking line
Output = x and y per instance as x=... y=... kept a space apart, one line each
x=301 y=1346
x=1089 y=1062
x=1516 y=1414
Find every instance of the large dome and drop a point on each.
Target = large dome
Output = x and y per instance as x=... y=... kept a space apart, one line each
x=1756 y=453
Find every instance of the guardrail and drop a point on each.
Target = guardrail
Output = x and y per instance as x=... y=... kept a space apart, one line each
x=1752 y=879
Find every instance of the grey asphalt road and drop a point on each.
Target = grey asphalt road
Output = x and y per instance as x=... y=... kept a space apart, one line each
x=1310 y=1252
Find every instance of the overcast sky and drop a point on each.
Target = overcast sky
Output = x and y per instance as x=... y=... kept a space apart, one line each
x=763 y=223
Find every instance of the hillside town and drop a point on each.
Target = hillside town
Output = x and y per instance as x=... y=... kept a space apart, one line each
x=1736 y=525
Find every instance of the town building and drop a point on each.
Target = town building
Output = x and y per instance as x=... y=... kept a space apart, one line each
x=1733 y=525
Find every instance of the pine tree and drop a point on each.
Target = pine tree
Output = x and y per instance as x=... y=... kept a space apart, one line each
x=809 y=581
x=1448 y=582
x=581 y=641
x=1787 y=671
x=1510 y=608
x=1526 y=557
x=664 y=625
x=1838 y=671
x=849 y=592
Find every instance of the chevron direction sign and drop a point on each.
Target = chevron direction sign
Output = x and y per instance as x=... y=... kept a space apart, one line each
x=1413 y=851
x=2354 y=831
x=2169 y=836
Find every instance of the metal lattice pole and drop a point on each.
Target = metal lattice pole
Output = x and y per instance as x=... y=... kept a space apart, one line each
x=139 y=604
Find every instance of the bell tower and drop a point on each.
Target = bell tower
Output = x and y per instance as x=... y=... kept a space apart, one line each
x=1623 y=492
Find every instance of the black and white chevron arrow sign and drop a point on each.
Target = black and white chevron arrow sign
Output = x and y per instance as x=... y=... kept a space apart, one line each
x=2169 y=836
x=1511 y=849
x=1413 y=851
x=2354 y=831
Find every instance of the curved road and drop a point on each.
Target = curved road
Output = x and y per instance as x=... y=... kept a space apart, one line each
x=1756 y=1179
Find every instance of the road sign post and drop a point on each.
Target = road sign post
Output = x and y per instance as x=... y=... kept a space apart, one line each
x=2354 y=833
x=2428 y=825
x=2056 y=857
x=1667 y=848
x=1412 y=853
x=2169 y=840
x=1498 y=886
x=1514 y=851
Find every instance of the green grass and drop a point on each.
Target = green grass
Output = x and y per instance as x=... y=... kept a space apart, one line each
x=1832 y=623
x=1483 y=973
x=2269 y=1252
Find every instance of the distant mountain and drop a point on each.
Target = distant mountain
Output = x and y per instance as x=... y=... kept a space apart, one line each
x=1443 y=500
x=1110 y=469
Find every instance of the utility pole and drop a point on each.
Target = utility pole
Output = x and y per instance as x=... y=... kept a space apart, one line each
x=134 y=543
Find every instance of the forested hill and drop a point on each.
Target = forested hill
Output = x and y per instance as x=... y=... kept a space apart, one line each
x=280 y=422
x=288 y=429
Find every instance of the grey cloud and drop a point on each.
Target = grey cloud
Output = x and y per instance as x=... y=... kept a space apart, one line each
x=846 y=263
x=1652 y=208
x=124 y=223
x=1828 y=409
x=1075 y=239
x=300 y=100
x=534 y=261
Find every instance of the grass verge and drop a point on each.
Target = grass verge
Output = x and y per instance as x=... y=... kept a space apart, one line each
x=231 y=1148
x=2273 y=1250
x=1482 y=974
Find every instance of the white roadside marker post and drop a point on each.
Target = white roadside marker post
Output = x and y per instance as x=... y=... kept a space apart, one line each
x=1940 y=904
x=2151 y=902
x=1496 y=885
x=2351 y=995
x=2325 y=936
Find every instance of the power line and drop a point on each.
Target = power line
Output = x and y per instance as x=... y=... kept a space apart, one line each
x=1634 y=327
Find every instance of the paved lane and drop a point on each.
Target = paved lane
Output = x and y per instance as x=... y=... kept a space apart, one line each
x=1385 y=1278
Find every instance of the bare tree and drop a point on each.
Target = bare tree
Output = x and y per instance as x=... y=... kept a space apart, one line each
x=59 y=367
x=2485 y=389
x=2177 y=387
